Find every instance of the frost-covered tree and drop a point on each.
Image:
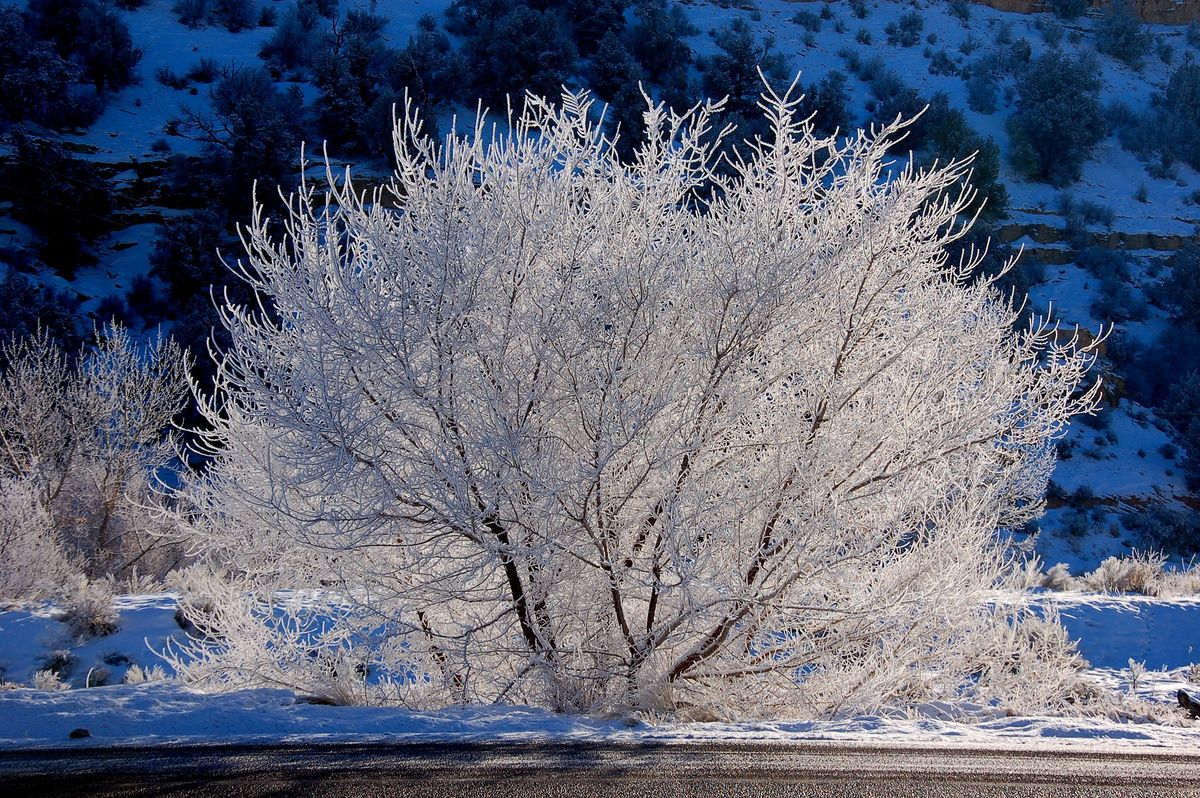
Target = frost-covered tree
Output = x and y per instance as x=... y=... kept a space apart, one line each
x=548 y=427
x=81 y=442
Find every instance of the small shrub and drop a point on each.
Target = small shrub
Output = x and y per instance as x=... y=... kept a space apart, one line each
x=1162 y=528
x=60 y=663
x=1138 y=573
x=1166 y=53
x=1142 y=194
x=906 y=31
x=1084 y=212
x=167 y=77
x=97 y=677
x=139 y=675
x=1058 y=578
x=88 y=609
x=235 y=15
x=49 y=680
x=942 y=64
x=808 y=20
x=1019 y=55
x=204 y=71
x=1120 y=34
x=961 y=9
x=191 y=13
x=1052 y=31
x=982 y=90
x=113 y=310
x=863 y=36
x=859 y=7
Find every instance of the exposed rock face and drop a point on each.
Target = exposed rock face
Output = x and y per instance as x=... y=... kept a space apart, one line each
x=1170 y=12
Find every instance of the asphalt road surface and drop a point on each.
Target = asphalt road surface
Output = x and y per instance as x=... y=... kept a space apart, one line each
x=703 y=770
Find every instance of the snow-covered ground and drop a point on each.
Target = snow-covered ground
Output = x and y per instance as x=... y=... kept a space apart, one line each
x=168 y=714
x=1112 y=630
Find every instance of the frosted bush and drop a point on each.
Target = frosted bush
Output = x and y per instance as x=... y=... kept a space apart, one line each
x=35 y=564
x=1137 y=573
x=534 y=424
x=1059 y=578
x=83 y=438
x=48 y=680
x=136 y=674
x=87 y=607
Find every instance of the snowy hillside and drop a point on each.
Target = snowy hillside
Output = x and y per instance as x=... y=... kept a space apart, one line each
x=1147 y=212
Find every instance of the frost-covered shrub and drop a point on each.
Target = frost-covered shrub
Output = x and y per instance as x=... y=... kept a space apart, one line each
x=87 y=607
x=83 y=440
x=570 y=436
x=1058 y=577
x=1029 y=665
x=139 y=675
x=1145 y=573
x=1138 y=573
x=31 y=549
x=49 y=680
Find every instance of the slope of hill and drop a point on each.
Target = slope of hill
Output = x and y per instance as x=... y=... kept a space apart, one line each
x=1126 y=463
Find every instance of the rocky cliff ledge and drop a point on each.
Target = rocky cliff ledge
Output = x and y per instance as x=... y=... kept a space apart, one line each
x=1170 y=12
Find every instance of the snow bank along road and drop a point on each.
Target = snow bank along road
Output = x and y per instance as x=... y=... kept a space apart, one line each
x=598 y=769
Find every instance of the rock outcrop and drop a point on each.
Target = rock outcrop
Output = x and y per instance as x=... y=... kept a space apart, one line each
x=1170 y=12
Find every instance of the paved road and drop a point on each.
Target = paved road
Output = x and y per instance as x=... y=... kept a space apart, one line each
x=705 y=770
